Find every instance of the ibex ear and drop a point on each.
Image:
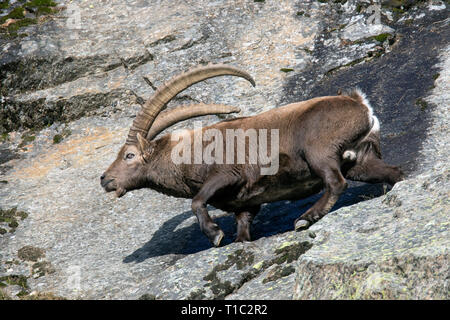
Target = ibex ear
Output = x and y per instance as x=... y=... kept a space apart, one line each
x=144 y=146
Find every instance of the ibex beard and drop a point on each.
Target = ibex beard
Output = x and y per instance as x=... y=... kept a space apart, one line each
x=314 y=145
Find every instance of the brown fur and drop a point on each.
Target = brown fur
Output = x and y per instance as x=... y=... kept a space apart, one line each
x=313 y=136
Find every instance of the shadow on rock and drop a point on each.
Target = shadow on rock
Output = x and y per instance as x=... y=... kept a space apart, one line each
x=274 y=218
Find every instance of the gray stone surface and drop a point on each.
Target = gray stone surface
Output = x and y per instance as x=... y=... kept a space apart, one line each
x=396 y=246
x=85 y=83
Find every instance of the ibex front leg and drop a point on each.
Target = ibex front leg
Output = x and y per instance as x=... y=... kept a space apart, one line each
x=209 y=188
x=244 y=220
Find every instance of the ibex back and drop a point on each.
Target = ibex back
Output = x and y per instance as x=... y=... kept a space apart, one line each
x=320 y=143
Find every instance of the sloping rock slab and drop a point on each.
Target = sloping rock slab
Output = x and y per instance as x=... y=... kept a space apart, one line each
x=396 y=247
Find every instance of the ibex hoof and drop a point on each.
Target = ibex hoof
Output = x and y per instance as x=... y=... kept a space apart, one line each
x=218 y=238
x=301 y=225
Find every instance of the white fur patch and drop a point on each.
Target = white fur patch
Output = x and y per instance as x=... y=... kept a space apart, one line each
x=365 y=102
x=349 y=155
x=376 y=124
x=372 y=118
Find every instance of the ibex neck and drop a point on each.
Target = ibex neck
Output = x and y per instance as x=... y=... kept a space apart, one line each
x=164 y=175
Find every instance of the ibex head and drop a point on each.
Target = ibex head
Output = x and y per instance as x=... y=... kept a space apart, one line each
x=140 y=153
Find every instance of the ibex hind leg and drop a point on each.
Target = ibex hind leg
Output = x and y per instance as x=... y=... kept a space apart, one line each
x=375 y=170
x=335 y=185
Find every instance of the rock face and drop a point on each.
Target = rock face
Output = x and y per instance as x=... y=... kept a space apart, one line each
x=69 y=91
x=393 y=247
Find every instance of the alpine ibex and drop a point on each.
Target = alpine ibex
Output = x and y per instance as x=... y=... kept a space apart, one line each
x=321 y=142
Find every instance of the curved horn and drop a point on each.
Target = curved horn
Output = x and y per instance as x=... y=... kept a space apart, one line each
x=147 y=115
x=168 y=118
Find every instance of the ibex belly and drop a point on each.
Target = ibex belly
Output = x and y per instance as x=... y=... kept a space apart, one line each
x=286 y=185
x=277 y=192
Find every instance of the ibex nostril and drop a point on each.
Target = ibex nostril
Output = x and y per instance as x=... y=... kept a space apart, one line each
x=102 y=177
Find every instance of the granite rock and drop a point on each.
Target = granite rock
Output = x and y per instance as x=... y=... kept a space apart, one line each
x=70 y=90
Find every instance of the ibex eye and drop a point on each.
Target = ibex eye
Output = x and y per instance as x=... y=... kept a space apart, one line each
x=129 y=156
